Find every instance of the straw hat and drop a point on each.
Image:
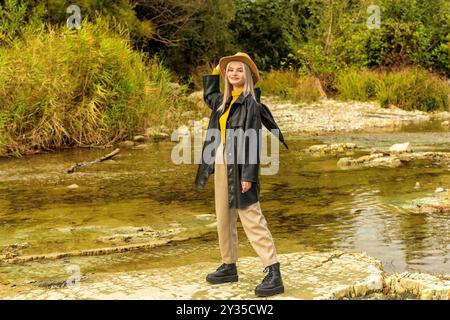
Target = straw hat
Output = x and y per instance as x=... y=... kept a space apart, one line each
x=242 y=57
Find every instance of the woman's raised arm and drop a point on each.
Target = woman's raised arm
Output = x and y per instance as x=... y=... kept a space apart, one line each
x=211 y=89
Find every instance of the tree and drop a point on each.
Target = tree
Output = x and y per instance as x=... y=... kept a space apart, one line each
x=188 y=33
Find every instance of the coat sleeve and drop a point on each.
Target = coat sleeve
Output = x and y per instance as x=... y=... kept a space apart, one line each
x=211 y=91
x=257 y=94
x=250 y=167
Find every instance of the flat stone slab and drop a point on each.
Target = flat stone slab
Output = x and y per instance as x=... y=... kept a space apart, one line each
x=331 y=275
x=395 y=160
x=373 y=160
x=334 y=148
x=317 y=275
x=423 y=286
x=439 y=202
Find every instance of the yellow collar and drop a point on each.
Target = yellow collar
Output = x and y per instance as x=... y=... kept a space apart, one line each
x=237 y=92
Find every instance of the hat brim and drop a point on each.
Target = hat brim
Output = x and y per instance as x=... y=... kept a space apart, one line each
x=254 y=69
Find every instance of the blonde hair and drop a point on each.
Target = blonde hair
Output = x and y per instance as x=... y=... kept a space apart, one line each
x=248 y=85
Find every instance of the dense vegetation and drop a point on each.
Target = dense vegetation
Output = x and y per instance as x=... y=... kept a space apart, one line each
x=111 y=77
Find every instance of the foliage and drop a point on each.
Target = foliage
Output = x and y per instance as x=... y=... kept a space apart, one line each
x=98 y=84
x=17 y=14
x=80 y=87
x=188 y=34
x=409 y=88
x=267 y=29
x=291 y=85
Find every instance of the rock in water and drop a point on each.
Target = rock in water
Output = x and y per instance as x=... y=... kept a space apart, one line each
x=345 y=162
x=371 y=161
x=333 y=148
x=139 y=138
x=126 y=144
x=400 y=147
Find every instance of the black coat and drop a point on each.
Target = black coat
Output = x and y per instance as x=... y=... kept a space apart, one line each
x=243 y=155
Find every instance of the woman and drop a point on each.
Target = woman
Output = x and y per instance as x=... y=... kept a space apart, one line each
x=231 y=152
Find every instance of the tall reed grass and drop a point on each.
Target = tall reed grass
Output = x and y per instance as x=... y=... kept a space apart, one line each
x=411 y=88
x=62 y=88
x=291 y=85
x=408 y=88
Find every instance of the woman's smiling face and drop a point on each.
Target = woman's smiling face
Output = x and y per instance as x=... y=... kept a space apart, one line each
x=235 y=74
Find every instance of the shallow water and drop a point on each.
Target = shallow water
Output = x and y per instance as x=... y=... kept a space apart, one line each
x=311 y=204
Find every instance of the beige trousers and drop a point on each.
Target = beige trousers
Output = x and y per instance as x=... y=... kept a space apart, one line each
x=252 y=219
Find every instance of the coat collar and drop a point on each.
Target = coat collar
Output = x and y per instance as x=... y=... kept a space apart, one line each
x=240 y=99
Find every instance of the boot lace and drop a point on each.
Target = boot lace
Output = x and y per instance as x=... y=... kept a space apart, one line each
x=221 y=267
x=269 y=274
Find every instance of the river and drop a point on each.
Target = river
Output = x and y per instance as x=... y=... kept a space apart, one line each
x=310 y=204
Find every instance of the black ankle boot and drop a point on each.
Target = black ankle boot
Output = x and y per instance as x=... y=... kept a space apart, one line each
x=225 y=273
x=272 y=283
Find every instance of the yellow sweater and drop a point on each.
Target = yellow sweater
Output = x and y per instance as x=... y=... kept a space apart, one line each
x=224 y=116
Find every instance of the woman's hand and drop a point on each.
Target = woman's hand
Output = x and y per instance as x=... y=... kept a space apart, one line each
x=246 y=185
x=218 y=67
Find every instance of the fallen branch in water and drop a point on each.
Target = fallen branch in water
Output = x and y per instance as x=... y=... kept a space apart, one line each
x=89 y=163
